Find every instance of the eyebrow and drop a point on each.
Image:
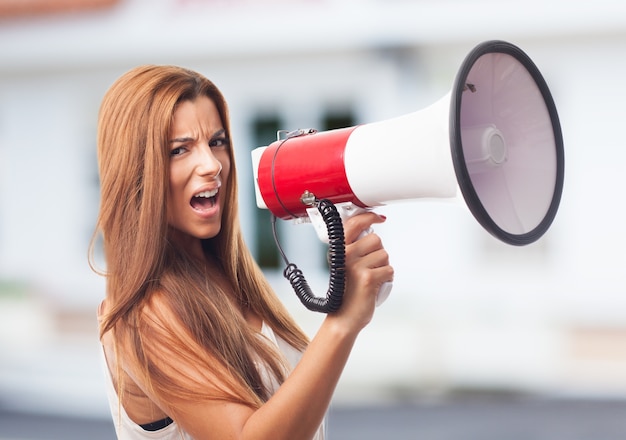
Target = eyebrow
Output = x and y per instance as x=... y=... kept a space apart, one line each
x=218 y=133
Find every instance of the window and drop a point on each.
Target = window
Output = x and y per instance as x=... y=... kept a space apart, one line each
x=337 y=119
x=264 y=130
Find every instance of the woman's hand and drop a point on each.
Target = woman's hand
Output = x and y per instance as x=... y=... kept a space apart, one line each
x=367 y=268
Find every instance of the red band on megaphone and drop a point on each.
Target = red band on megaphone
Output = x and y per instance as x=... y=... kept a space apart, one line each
x=314 y=163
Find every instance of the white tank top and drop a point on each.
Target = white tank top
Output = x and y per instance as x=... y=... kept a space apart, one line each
x=126 y=429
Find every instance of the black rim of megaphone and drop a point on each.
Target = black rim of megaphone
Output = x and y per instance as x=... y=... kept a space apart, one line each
x=462 y=174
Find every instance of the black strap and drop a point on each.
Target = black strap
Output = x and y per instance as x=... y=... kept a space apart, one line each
x=158 y=425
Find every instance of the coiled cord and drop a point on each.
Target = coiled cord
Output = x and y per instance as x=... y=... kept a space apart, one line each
x=336 y=261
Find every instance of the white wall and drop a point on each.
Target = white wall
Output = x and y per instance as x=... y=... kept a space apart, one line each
x=466 y=310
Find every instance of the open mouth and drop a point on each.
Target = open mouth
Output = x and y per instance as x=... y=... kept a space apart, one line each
x=204 y=200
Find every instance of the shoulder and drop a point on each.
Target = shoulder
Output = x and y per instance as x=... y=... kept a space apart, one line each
x=163 y=328
x=144 y=335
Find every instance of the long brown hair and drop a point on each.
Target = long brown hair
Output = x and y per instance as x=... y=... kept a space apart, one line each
x=142 y=266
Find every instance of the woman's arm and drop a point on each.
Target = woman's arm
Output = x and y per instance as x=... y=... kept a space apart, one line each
x=298 y=407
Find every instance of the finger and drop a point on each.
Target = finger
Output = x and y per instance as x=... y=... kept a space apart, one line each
x=380 y=267
x=373 y=276
x=365 y=245
x=354 y=226
x=376 y=258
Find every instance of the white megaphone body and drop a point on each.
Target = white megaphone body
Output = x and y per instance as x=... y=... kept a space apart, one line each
x=496 y=136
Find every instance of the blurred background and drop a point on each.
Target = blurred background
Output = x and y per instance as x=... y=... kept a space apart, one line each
x=470 y=319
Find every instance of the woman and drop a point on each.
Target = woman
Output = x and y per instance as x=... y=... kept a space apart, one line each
x=196 y=343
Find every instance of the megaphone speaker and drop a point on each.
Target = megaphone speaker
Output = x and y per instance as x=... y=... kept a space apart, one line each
x=495 y=136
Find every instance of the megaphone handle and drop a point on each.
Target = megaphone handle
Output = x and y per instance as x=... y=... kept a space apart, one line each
x=346 y=210
x=385 y=288
x=336 y=286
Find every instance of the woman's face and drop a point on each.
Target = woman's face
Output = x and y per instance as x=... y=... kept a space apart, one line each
x=199 y=168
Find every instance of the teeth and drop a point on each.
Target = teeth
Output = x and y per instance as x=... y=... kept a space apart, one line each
x=207 y=194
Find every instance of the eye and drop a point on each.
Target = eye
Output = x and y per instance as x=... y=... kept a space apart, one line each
x=177 y=151
x=219 y=142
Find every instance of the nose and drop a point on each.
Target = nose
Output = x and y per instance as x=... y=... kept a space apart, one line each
x=208 y=164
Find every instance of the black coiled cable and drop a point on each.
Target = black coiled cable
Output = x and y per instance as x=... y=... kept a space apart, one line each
x=336 y=261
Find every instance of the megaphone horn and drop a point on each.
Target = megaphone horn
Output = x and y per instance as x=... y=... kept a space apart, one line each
x=496 y=135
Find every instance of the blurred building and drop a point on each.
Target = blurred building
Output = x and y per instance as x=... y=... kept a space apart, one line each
x=467 y=312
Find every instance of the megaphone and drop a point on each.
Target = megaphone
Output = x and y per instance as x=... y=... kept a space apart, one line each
x=495 y=136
